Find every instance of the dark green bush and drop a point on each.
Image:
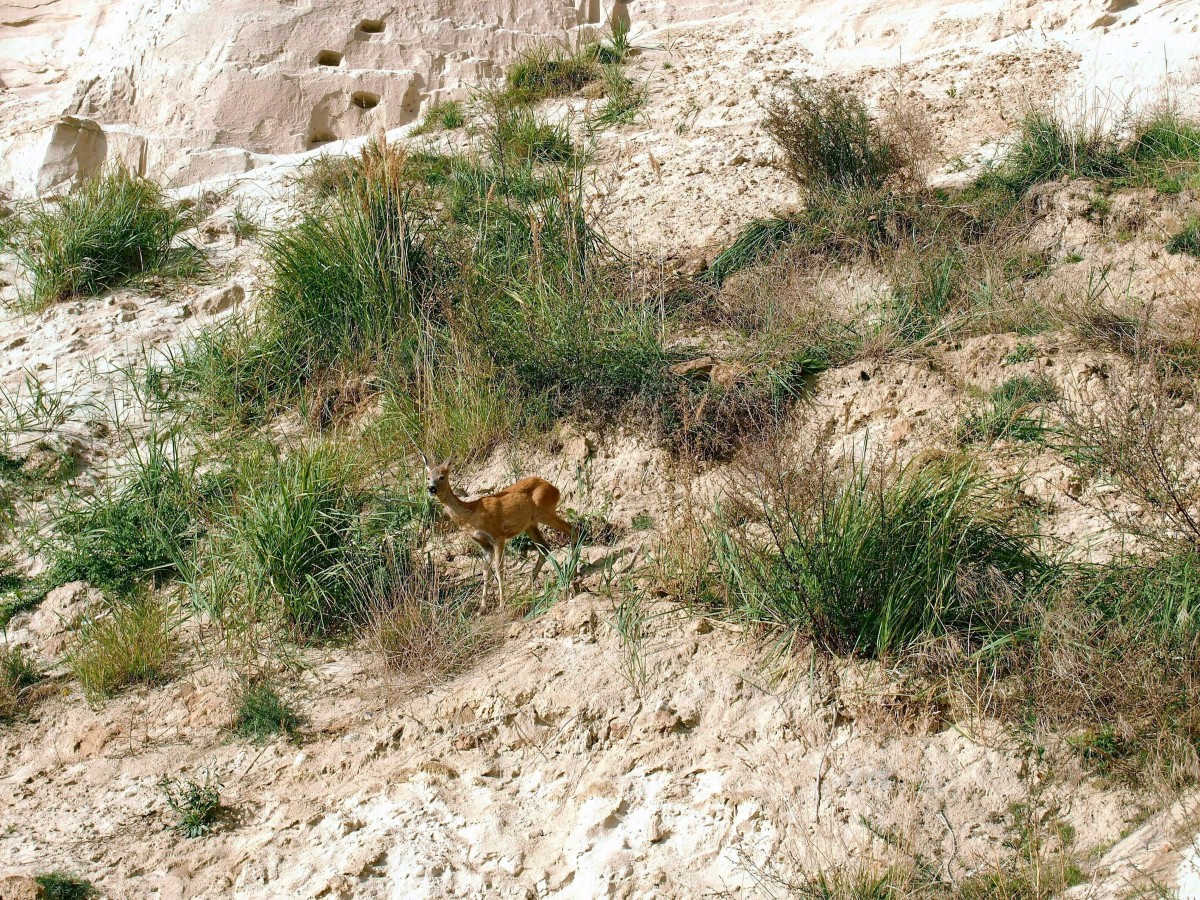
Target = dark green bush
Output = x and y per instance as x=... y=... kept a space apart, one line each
x=829 y=139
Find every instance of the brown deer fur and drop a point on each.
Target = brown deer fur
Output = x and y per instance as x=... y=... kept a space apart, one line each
x=493 y=520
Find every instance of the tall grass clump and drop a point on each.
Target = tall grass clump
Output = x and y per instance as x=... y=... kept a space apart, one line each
x=18 y=672
x=1161 y=149
x=291 y=536
x=346 y=281
x=420 y=622
x=1048 y=147
x=115 y=227
x=879 y=562
x=138 y=531
x=131 y=642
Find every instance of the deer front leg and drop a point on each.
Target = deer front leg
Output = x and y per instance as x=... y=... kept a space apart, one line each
x=484 y=540
x=539 y=544
x=498 y=566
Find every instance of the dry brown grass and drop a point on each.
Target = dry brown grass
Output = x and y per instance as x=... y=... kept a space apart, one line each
x=422 y=624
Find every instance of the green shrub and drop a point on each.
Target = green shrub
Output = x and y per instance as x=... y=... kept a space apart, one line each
x=60 y=886
x=18 y=671
x=261 y=713
x=140 y=530
x=879 y=563
x=1187 y=240
x=117 y=226
x=548 y=71
x=829 y=139
x=442 y=116
x=1007 y=413
x=196 y=804
x=129 y=643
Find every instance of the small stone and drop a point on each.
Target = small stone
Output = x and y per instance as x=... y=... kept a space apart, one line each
x=700 y=368
x=738 y=159
x=220 y=300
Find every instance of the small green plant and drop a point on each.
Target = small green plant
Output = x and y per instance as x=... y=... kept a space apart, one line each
x=261 y=713
x=549 y=71
x=131 y=643
x=61 y=886
x=1007 y=415
x=18 y=671
x=1023 y=352
x=1187 y=240
x=443 y=115
x=643 y=521
x=116 y=227
x=624 y=97
x=196 y=804
x=244 y=225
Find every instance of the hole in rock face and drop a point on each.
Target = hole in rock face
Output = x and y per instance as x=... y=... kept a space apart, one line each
x=329 y=58
x=371 y=26
x=364 y=99
x=320 y=136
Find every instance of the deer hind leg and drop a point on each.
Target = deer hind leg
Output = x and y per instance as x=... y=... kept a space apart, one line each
x=551 y=519
x=539 y=544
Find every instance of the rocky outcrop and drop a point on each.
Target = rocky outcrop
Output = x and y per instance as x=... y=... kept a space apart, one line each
x=188 y=89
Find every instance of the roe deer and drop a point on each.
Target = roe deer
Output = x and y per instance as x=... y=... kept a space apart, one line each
x=497 y=518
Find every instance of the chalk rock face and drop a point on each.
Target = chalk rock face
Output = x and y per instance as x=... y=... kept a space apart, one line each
x=192 y=88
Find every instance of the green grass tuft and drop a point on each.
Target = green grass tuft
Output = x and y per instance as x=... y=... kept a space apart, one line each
x=1187 y=240
x=444 y=115
x=624 y=98
x=136 y=532
x=1008 y=413
x=115 y=227
x=61 y=886
x=261 y=713
x=549 y=71
x=129 y=643
x=18 y=671
x=879 y=563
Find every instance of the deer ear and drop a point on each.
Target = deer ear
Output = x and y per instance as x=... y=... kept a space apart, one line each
x=424 y=458
x=446 y=463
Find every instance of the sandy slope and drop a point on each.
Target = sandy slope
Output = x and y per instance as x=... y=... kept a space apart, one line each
x=544 y=770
